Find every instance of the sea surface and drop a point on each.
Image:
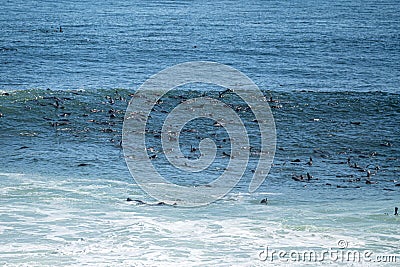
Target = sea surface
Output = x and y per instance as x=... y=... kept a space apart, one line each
x=329 y=71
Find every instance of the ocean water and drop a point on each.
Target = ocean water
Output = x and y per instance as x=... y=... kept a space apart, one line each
x=331 y=67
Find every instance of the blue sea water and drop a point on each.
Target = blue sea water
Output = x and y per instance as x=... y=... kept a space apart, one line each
x=332 y=66
x=281 y=45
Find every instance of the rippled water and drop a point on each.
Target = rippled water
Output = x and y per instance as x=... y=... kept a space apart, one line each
x=65 y=183
x=331 y=67
x=345 y=45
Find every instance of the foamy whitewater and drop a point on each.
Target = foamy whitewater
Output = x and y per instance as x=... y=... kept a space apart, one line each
x=330 y=68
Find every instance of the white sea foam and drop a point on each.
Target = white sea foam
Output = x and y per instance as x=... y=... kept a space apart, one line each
x=85 y=221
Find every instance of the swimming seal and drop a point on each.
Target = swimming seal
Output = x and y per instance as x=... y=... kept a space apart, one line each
x=140 y=202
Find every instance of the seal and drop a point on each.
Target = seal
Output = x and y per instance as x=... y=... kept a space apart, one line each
x=298 y=178
x=140 y=202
